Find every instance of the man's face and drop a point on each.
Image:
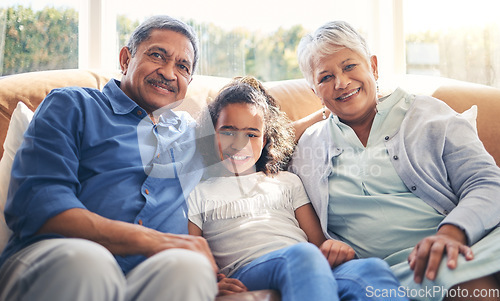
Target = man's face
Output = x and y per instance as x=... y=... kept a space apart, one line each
x=160 y=71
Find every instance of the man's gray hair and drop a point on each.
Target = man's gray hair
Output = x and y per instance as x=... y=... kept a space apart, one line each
x=143 y=32
x=325 y=41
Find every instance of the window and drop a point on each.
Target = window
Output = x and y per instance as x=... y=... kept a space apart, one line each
x=454 y=39
x=258 y=37
x=447 y=38
x=36 y=38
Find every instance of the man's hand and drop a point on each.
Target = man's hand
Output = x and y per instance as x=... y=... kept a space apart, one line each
x=122 y=238
x=336 y=252
x=228 y=286
x=163 y=241
x=428 y=253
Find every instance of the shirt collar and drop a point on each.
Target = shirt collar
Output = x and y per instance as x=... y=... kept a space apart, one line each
x=387 y=102
x=120 y=102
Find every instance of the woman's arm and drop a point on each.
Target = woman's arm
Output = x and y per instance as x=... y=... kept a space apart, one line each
x=335 y=251
x=302 y=124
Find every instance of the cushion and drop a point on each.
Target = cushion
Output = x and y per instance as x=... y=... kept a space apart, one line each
x=18 y=124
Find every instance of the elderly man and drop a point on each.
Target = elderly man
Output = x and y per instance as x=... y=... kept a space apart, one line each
x=97 y=196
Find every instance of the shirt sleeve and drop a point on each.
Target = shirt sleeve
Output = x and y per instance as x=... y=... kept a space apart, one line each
x=475 y=179
x=44 y=178
x=194 y=208
x=300 y=197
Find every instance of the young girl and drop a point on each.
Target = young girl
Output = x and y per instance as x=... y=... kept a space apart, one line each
x=257 y=219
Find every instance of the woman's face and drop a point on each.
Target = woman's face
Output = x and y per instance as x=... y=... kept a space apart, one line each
x=346 y=84
x=240 y=137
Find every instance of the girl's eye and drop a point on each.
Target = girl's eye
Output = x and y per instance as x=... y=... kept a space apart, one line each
x=227 y=133
x=252 y=135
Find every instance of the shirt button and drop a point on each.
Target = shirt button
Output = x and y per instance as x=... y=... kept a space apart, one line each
x=414 y=188
x=146 y=191
x=395 y=157
x=140 y=222
x=139 y=113
x=386 y=138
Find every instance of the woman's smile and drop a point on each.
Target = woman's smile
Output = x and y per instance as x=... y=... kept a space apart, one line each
x=348 y=96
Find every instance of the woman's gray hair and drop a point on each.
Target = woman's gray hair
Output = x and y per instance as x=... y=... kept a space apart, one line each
x=325 y=41
x=143 y=32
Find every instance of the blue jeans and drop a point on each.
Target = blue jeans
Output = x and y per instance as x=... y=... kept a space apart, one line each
x=301 y=272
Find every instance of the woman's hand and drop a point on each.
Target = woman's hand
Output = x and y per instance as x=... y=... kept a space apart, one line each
x=228 y=286
x=428 y=253
x=336 y=252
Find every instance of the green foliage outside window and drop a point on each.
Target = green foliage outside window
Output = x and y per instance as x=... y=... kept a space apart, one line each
x=42 y=40
x=48 y=40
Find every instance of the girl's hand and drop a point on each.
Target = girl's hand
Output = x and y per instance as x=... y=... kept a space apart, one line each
x=428 y=253
x=228 y=286
x=336 y=252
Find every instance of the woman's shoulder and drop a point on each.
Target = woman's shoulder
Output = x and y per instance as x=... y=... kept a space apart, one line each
x=313 y=132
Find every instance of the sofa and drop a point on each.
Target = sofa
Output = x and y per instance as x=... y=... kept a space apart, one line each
x=294 y=97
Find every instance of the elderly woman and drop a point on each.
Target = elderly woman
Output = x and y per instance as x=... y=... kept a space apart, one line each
x=403 y=177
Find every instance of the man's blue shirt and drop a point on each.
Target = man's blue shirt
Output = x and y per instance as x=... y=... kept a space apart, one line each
x=100 y=151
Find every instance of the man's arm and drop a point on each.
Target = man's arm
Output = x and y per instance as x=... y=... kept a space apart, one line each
x=121 y=238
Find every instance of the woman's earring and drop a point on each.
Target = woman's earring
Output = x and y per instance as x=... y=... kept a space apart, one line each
x=324 y=113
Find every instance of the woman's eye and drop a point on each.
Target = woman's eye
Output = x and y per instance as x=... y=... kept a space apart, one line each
x=350 y=67
x=325 y=78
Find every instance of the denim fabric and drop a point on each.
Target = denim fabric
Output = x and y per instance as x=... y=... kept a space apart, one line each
x=301 y=272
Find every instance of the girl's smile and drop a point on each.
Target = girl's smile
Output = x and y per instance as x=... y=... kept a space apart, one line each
x=240 y=137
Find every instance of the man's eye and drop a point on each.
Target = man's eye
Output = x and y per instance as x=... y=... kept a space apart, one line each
x=184 y=68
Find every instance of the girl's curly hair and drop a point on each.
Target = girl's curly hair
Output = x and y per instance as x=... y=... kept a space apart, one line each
x=278 y=131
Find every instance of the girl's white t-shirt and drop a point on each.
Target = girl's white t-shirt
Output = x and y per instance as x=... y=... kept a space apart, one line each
x=245 y=217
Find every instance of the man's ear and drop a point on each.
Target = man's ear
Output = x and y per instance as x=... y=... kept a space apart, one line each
x=125 y=57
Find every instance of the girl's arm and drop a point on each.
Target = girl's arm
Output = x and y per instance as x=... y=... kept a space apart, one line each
x=227 y=286
x=335 y=251
x=193 y=229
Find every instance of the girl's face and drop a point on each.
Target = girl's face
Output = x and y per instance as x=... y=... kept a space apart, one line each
x=239 y=137
x=346 y=83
